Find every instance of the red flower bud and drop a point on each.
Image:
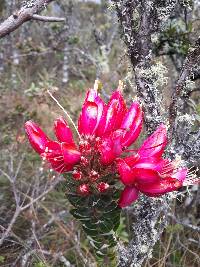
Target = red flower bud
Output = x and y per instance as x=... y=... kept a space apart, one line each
x=102 y=187
x=77 y=175
x=83 y=189
x=94 y=175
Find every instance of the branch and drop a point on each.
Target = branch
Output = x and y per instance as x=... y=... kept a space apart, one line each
x=24 y=14
x=48 y=19
x=192 y=59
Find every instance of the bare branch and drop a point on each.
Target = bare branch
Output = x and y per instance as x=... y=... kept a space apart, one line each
x=48 y=19
x=24 y=14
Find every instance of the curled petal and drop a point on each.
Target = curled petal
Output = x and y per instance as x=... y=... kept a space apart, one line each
x=53 y=155
x=180 y=174
x=88 y=118
x=53 y=152
x=155 y=144
x=36 y=136
x=132 y=123
x=61 y=167
x=63 y=132
x=161 y=165
x=127 y=176
x=159 y=188
x=70 y=154
x=128 y=196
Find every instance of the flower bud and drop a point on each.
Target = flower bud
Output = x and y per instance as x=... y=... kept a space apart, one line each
x=77 y=175
x=83 y=189
x=94 y=175
x=84 y=161
x=102 y=187
x=85 y=147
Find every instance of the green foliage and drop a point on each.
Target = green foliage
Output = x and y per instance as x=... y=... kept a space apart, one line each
x=99 y=215
x=2 y=259
x=100 y=218
x=175 y=38
x=121 y=231
x=73 y=40
x=40 y=264
x=175 y=228
x=176 y=257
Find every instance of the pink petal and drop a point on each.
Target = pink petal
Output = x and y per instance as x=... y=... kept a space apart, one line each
x=132 y=160
x=91 y=95
x=106 y=152
x=155 y=144
x=159 y=188
x=115 y=112
x=63 y=132
x=88 y=118
x=71 y=155
x=36 y=136
x=132 y=123
x=102 y=122
x=127 y=176
x=156 y=164
x=145 y=175
x=128 y=196
x=180 y=174
x=101 y=113
x=61 y=167
x=110 y=148
x=53 y=152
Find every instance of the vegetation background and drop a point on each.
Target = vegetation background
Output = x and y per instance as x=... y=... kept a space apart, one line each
x=66 y=58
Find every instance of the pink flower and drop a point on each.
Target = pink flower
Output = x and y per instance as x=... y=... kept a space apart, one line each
x=147 y=172
x=62 y=154
x=105 y=133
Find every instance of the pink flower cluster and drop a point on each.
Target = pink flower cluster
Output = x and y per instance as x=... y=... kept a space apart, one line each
x=105 y=133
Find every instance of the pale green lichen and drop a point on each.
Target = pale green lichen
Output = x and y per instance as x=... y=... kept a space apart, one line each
x=157 y=73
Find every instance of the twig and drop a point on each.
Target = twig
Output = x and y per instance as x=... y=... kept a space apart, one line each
x=64 y=112
x=48 y=19
x=24 y=14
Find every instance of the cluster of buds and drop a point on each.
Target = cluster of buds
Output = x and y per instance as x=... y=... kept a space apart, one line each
x=105 y=133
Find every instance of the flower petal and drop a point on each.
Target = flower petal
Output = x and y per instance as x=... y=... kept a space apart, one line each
x=110 y=148
x=180 y=174
x=71 y=155
x=132 y=123
x=88 y=118
x=159 y=188
x=91 y=95
x=145 y=175
x=36 y=136
x=116 y=110
x=155 y=144
x=63 y=132
x=128 y=196
x=127 y=176
x=132 y=160
x=156 y=164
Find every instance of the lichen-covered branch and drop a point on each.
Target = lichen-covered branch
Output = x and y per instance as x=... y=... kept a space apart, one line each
x=139 y=20
x=192 y=59
x=24 y=14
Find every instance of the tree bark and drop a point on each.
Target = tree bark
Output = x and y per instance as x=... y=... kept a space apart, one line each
x=25 y=13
